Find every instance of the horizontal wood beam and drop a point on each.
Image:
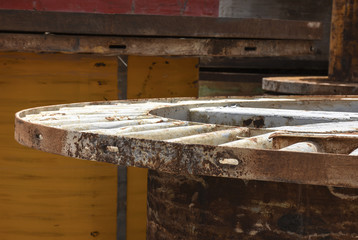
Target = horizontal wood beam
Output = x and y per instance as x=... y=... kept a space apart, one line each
x=293 y=62
x=154 y=25
x=112 y=46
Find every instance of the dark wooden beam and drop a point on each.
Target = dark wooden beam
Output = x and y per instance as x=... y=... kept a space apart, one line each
x=121 y=203
x=293 y=62
x=343 y=65
x=303 y=10
x=151 y=25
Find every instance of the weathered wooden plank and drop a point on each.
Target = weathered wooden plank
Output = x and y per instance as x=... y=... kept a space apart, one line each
x=250 y=83
x=45 y=196
x=343 y=65
x=218 y=208
x=306 y=10
x=150 y=77
x=114 y=46
x=309 y=86
x=279 y=63
x=151 y=25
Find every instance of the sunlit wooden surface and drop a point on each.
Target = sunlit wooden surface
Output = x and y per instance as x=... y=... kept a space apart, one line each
x=44 y=196
x=150 y=77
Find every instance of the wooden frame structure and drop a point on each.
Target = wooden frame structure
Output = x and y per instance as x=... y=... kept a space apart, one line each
x=147 y=35
x=343 y=60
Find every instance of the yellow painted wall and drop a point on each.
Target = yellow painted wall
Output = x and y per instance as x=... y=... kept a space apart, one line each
x=44 y=196
x=154 y=77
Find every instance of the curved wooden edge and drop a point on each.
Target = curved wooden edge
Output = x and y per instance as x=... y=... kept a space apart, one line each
x=314 y=85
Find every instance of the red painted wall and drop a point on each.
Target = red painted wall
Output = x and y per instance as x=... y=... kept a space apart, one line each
x=157 y=7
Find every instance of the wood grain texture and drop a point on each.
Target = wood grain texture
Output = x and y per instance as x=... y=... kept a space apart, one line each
x=44 y=196
x=150 y=77
x=155 y=25
x=201 y=207
x=307 y=10
x=283 y=63
x=343 y=59
x=136 y=203
x=149 y=46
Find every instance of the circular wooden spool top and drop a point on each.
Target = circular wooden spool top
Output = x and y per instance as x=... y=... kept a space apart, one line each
x=309 y=140
x=308 y=86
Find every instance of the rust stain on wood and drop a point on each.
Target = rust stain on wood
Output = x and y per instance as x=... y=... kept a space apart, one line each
x=199 y=207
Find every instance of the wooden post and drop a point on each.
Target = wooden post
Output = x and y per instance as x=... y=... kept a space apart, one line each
x=153 y=77
x=343 y=64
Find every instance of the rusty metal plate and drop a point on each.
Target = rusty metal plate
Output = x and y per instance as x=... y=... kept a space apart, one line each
x=309 y=140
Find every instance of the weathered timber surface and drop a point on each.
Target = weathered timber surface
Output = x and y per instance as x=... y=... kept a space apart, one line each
x=113 y=46
x=304 y=10
x=198 y=207
x=151 y=77
x=343 y=65
x=312 y=85
x=150 y=25
x=278 y=63
x=344 y=41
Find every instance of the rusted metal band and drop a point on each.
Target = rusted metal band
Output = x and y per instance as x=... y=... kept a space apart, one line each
x=144 y=150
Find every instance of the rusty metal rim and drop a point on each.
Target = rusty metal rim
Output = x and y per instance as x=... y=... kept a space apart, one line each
x=219 y=161
x=253 y=164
